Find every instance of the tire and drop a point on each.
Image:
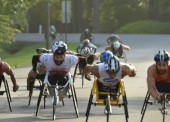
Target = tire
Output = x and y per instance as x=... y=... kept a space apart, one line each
x=89 y=106
x=39 y=98
x=125 y=108
x=74 y=101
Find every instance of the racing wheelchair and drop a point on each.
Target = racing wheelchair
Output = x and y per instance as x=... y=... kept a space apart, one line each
x=108 y=97
x=57 y=94
x=79 y=67
x=6 y=90
x=147 y=101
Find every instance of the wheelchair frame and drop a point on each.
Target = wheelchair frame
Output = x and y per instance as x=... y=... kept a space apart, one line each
x=108 y=101
x=56 y=88
x=75 y=73
x=146 y=102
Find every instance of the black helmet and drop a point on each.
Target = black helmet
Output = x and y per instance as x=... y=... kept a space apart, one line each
x=59 y=47
x=161 y=57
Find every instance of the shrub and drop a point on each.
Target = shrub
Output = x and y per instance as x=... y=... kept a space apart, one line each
x=145 y=27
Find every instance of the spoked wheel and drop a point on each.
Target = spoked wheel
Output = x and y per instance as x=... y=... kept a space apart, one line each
x=125 y=108
x=74 y=100
x=89 y=106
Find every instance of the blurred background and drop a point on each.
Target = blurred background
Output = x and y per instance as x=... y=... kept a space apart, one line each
x=49 y=19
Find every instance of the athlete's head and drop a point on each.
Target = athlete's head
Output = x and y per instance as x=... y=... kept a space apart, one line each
x=86 y=42
x=161 y=59
x=59 y=49
x=112 y=65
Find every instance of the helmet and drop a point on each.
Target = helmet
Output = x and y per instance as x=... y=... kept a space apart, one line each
x=104 y=56
x=113 y=38
x=162 y=56
x=113 y=64
x=85 y=51
x=116 y=45
x=59 y=47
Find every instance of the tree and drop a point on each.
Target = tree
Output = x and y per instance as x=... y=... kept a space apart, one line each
x=13 y=17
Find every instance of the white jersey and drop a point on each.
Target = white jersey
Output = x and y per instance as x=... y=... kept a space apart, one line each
x=104 y=77
x=63 y=69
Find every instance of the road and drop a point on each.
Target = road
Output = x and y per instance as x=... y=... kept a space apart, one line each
x=141 y=55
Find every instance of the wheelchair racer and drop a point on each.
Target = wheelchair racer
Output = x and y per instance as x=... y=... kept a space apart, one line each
x=90 y=57
x=86 y=43
x=109 y=73
x=41 y=70
x=116 y=46
x=58 y=65
x=86 y=34
x=158 y=75
x=6 y=68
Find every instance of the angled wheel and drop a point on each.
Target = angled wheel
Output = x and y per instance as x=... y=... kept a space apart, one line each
x=75 y=70
x=125 y=108
x=75 y=103
x=7 y=93
x=39 y=98
x=31 y=91
x=145 y=104
x=89 y=106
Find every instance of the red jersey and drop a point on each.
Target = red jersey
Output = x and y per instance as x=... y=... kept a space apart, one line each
x=159 y=79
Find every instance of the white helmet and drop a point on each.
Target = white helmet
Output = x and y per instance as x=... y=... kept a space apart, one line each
x=116 y=45
x=113 y=64
x=59 y=47
x=85 y=51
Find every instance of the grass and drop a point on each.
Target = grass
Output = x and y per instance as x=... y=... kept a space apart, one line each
x=24 y=56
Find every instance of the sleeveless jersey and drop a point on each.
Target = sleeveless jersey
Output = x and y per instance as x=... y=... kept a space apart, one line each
x=104 y=77
x=158 y=77
x=61 y=70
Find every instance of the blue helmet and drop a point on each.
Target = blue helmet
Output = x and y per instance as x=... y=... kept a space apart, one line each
x=104 y=56
x=112 y=64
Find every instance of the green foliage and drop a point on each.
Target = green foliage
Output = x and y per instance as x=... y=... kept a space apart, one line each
x=7 y=31
x=146 y=27
x=116 y=13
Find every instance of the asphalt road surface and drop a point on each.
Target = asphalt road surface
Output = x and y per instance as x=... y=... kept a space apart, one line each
x=141 y=55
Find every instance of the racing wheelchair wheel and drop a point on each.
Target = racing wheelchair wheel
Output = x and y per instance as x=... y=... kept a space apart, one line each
x=75 y=102
x=89 y=106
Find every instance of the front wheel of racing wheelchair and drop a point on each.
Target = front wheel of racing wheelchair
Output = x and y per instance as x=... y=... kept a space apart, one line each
x=58 y=93
x=108 y=98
